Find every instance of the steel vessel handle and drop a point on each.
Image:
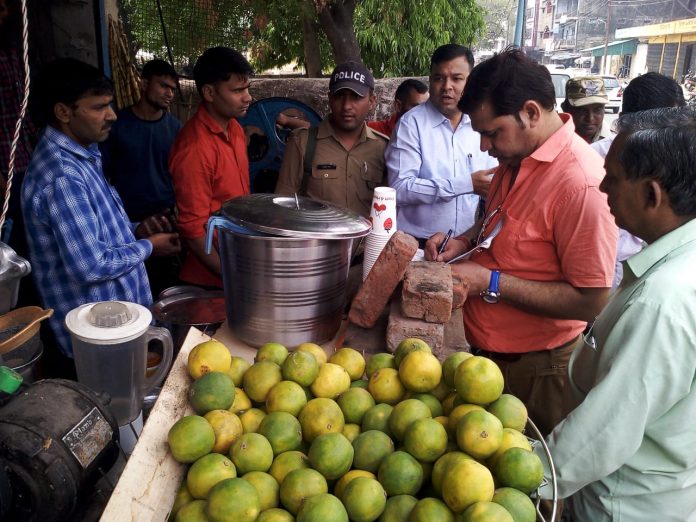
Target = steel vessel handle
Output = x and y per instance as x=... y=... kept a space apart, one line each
x=215 y=221
x=163 y=335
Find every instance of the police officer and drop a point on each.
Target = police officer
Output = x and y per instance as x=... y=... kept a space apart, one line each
x=341 y=160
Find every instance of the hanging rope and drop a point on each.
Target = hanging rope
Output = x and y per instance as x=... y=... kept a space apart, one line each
x=22 y=113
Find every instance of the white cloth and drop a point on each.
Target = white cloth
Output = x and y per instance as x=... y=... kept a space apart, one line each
x=628 y=244
x=602 y=146
x=430 y=166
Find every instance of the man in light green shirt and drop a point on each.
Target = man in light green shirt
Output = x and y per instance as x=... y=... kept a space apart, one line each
x=628 y=451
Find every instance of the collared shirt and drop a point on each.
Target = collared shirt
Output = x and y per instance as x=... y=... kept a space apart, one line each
x=81 y=244
x=208 y=168
x=386 y=127
x=430 y=166
x=628 y=244
x=628 y=448
x=602 y=145
x=135 y=158
x=602 y=133
x=11 y=94
x=557 y=227
x=346 y=178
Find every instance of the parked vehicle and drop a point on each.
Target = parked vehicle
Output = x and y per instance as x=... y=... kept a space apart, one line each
x=614 y=91
x=559 y=85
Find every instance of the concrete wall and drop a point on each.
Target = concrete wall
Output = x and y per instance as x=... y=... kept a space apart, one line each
x=65 y=29
x=311 y=91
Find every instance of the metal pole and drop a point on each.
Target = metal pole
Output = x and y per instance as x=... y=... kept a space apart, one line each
x=606 y=38
x=519 y=23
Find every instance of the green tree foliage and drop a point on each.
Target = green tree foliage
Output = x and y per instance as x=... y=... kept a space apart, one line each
x=191 y=25
x=397 y=37
x=499 y=16
x=393 y=37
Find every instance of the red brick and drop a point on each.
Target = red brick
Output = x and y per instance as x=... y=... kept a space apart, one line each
x=455 y=338
x=460 y=291
x=401 y=327
x=386 y=274
x=427 y=292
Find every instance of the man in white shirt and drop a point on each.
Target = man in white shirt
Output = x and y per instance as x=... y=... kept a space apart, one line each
x=649 y=91
x=433 y=159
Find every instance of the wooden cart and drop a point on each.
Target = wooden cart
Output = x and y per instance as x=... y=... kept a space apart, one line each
x=146 y=489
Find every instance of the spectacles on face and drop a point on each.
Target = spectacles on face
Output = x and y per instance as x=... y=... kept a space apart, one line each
x=486 y=224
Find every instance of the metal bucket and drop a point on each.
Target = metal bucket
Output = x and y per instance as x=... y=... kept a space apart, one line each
x=282 y=289
x=181 y=307
x=24 y=359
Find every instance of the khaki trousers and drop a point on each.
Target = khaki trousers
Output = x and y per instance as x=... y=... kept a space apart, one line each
x=540 y=380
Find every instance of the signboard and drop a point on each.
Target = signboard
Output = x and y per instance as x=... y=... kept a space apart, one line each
x=676 y=27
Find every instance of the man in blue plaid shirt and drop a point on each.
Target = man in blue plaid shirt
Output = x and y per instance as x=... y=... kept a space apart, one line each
x=82 y=246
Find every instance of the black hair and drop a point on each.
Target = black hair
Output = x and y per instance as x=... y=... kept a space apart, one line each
x=652 y=91
x=660 y=144
x=506 y=81
x=405 y=88
x=449 y=52
x=158 y=67
x=218 y=64
x=65 y=80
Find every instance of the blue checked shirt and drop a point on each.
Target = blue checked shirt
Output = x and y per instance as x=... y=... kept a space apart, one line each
x=81 y=244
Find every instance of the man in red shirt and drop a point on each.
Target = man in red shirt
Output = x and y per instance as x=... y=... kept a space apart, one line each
x=208 y=162
x=549 y=270
x=408 y=94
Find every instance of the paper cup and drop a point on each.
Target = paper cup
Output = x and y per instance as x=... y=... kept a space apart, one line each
x=383 y=211
x=374 y=244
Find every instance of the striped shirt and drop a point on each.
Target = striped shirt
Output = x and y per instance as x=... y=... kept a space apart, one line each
x=81 y=244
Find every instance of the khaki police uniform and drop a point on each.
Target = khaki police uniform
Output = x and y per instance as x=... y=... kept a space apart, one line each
x=343 y=177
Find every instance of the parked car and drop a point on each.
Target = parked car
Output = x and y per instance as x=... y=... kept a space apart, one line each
x=559 y=86
x=614 y=91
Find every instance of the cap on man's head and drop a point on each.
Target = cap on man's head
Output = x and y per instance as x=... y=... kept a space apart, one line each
x=351 y=75
x=586 y=90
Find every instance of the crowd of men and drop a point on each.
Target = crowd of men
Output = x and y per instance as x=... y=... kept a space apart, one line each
x=483 y=148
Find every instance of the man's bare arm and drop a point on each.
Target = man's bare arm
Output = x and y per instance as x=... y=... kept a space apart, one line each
x=211 y=261
x=556 y=299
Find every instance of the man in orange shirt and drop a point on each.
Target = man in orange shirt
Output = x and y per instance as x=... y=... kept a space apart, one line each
x=208 y=162
x=549 y=270
x=408 y=94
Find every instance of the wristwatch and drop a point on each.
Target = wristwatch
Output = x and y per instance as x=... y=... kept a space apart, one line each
x=491 y=295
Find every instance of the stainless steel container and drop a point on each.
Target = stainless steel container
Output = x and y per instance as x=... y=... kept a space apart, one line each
x=12 y=269
x=181 y=307
x=285 y=264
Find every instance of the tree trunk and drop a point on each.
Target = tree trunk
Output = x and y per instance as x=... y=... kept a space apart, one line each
x=312 y=53
x=336 y=18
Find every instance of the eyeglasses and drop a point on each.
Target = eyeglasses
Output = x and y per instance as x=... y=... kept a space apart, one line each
x=486 y=223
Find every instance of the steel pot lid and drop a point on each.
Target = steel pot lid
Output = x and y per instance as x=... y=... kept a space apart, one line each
x=299 y=217
x=108 y=322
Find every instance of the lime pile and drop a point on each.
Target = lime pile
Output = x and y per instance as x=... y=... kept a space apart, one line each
x=297 y=436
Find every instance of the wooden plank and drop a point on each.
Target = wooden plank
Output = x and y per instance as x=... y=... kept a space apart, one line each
x=149 y=482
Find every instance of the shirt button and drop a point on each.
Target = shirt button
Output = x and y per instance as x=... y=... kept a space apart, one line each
x=326 y=175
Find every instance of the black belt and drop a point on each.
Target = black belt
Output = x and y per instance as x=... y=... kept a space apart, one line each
x=514 y=357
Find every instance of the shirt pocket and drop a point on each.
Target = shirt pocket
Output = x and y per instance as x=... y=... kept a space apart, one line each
x=323 y=171
x=372 y=174
x=527 y=248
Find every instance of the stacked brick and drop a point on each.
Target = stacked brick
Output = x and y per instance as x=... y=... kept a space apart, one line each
x=429 y=297
x=427 y=306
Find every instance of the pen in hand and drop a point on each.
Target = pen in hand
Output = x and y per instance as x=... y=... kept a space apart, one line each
x=445 y=241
